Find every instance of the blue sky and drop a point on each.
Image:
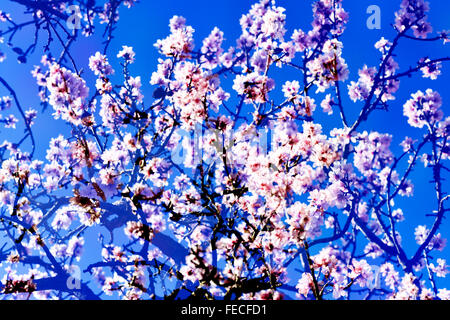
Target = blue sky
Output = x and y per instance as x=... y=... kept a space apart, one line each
x=141 y=26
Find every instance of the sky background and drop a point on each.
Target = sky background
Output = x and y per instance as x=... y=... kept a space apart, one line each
x=142 y=25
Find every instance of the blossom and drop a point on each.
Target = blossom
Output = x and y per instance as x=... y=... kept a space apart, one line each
x=273 y=22
x=68 y=93
x=412 y=14
x=211 y=48
x=362 y=272
x=440 y=269
x=300 y=40
x=372 y=152
x=444 y=294
x=64 y=217
x=132 y=89
x=100 y=65
x=383 y=45
x=304 y=285
x=291 y=88
x=372 y=250
x=423 y=108
x=421 y=233
x=179 y=42
x=112 y=111
x=75 y=247
x=30 y=115
x=407 y=144
x=322 y=11
x=397 y=214
x=59 y=250
x=329 y=67
x=10 y=121
x=430 y=70
x=138 y=230
x=407 y=289
x=437 y=242
x=327 y=104
x=360 y=90
x=201 y=234
x=253 y=87
x=5 y=103
x=127 y=54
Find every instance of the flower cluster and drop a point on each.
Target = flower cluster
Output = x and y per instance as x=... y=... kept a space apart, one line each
x=254 y=87
x=180 y=42
x=423 y=108
x=68 y=93
x=331 y=264
x=412 y=13
x=329 y=67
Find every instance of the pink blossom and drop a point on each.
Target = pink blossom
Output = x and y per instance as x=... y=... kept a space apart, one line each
x=432 y=70
x=291 y=88
x=180 y=42
x=440 y=269
x=127 y=54
x=75 y=247
x=100 y=65
x=304 y=285
x=328 y=67
x=423 y=108
x=253 y=87
x=68 y=93
x=5 y=103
